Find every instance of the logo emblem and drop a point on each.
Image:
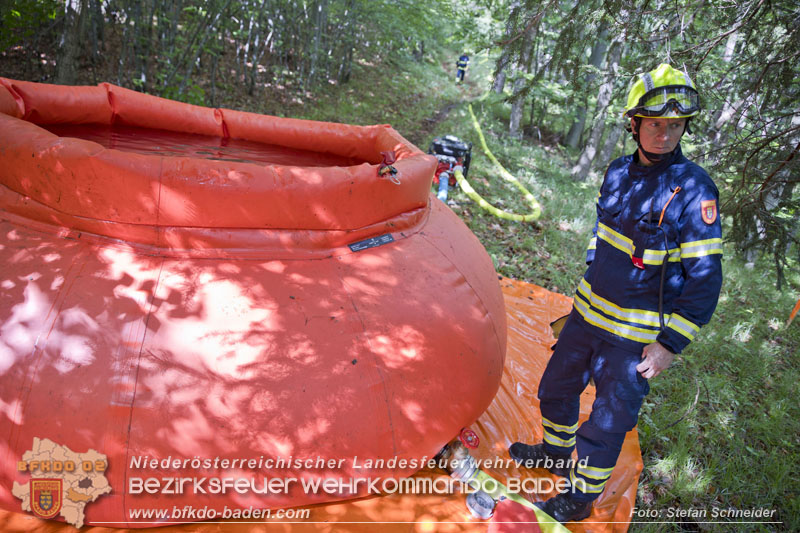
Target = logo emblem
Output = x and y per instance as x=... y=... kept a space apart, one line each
x=708 y=209
x=46 y=497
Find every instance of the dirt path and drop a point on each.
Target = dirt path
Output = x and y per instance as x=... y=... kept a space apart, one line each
x=429 y=124
x=472 y=91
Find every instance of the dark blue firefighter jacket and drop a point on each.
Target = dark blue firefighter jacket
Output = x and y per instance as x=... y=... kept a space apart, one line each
x=618 y=295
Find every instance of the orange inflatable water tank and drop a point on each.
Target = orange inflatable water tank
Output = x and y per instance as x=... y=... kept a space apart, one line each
x=182 y=283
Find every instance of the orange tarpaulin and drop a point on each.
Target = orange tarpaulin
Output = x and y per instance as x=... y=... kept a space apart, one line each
x=512 y=415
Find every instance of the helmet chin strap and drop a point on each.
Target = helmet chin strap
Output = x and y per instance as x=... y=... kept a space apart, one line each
x=651 y=156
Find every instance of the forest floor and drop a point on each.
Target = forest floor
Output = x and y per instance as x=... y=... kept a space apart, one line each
x=721 y=428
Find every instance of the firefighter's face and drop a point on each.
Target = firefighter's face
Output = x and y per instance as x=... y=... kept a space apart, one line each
x=660 y=135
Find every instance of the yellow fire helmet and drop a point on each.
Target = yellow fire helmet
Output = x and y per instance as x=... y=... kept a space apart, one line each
x=664 y=93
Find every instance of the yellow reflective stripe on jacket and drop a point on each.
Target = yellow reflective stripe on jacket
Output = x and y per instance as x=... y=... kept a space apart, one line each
x=615 y=239
x=638 y=316
x=558 y=427
x=592 y=244
x=656 y=257
x=594 y=472
x=701 y=248
x=624 y=244
x=557 y=441
x=683 y=326
x=623 y=330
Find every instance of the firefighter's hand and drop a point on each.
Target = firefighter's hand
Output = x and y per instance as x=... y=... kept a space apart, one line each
x=655 y=359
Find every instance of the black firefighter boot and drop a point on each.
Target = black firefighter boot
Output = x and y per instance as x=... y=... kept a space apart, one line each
x=565 y=509
x=537 y=457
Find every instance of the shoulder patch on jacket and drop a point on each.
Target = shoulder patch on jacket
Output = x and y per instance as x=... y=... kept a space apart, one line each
x=708 y=209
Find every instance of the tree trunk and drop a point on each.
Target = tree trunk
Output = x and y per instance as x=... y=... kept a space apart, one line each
x=575 y=131
x=71 y=42
x=208 y=31
x=718 y=138
x=611 y=142
x=241 y=66
x=248 y=72
x=596 y=60
x=136 y=42
x=214 y=81
x=123 y=52
x=96 y=22
x=319 y=28
x=518 y=100
x=419 y=51
x=505 y=58
x=257 y=45
x=533 y=122
x=348 y=43
x=581 y=168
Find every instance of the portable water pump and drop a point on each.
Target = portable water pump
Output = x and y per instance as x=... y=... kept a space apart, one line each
x=451 y=152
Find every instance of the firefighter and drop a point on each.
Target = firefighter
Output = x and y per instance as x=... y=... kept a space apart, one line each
x=653 y=280
x=461 y=67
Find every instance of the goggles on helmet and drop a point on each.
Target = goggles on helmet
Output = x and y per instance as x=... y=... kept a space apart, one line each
x=657 y=102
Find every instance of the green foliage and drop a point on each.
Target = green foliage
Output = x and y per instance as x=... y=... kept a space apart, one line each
x=193 y=94
x=20 y=20
x=158 y=47
x=476 y=25
x=744 y=60
x=400 y=25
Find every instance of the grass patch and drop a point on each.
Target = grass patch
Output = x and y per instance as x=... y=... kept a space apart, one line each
x=744 y=431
